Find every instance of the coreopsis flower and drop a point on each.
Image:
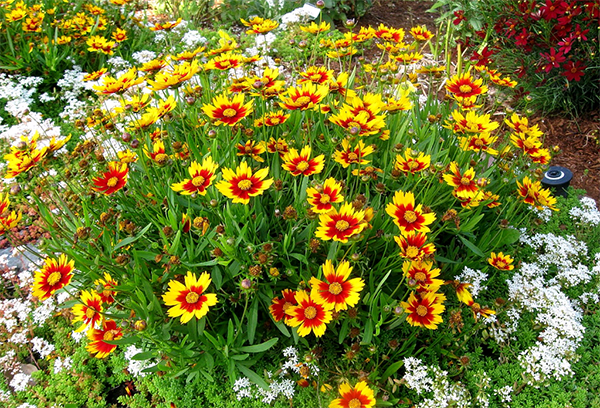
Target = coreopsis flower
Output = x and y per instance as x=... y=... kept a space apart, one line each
x=241 y=184
x=396 y=105
x=127 y=156
x=408 y=57
x=23 y=161
x=358 y=123
x=119 y=35
x=497 y=79
x=263 y=27
x=424 y=309
x=92 y=76
x=412 y=161
x=188 y=55
x=471 y=122
x=188 y=299
x=225 y=111
x=467 y=103
x=112 y=85
x=340 y=226
x=478 y=142
x=153 y=65
x=367 y=173
x=465 y=185
x=339 y=85
x=225 y=61
x=9 y=220
x=337 y=292
x=465 y=86
x=316 y=75
x=98 y=337
x=302 y=164
x=308 y=315
x=389 y=34
x=370 y=103
x=252 y=149
x=341 y=52
x=304 y=97
x=166 y=26
x=423 y=274
x=462 y=291
x=158 y=153
x=201 y=177
x=413 y=245
x=280 y=308
x=359 y=396
x=166 y=106
x=521 y=125
x=501 y=262
x=266 y=86
x=530 y=145
x=535 y=195
x=356 y=155
x=97 y=43
x=279 y=146
x=406 y=216
x=252 y=21
x=421 y=33
x=314 y=28
x=89 y=311
x=271 y=119
x=112 y=180
x=479 y=310
x=54 y=275
x=175 y=76
x=107 y=284
x=573 y=71
x=322 y=200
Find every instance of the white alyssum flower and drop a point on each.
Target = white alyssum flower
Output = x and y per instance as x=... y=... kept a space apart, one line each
x=141 y=57
x=62 y=364
x=505 y=394
x=476 y=278
x=587 y=214
x=135 y=367
x=20 y=381
x=42 y=347
x=434 y=381
x=193 y=39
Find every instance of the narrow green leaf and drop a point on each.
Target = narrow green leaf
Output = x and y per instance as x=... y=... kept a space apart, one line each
x=471 y=246
x=258 y=348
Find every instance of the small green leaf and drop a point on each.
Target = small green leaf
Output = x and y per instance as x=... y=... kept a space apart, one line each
x=258 y=348
x=471 y=246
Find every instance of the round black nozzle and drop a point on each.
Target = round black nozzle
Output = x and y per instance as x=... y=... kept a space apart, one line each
x=558 y=178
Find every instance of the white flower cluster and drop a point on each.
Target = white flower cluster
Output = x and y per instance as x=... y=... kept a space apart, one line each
x=42 y=347
x=505 y=394
x=244 y=388
x=141 y=57
x=502 y=331
x=299 y=15
x=476 y=278
x=587 y=214
x=72 y=88
x=193 y=39
x=62 y=364
x=432 y=379
x=136 y=367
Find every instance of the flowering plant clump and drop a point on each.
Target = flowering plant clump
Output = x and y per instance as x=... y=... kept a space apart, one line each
x=551 y=45
x=215 y=205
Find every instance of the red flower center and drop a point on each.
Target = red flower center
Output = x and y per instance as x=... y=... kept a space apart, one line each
x=422 y=310
x=310 y=312
x=54 y=278
x=335 y=288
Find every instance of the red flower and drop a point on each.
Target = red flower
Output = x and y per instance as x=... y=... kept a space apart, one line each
x=97 y=344
x=482 y=59
x=573 y=71
x=113 y=180
x=460 y=16
x=522 y=37
x=551 y=10
x=554 y=59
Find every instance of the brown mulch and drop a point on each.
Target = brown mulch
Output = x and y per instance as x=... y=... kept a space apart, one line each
x=578 y=139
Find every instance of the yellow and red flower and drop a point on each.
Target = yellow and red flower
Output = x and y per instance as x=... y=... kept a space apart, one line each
x=279 y=146
x=479 y=142
x=54 y=275
x=423 y=274
x=464 y=184
x=308 y=316
x=225 y=61
x=305 y=97
x=280 y=308
x=107 y=284
x=361 y=123
x=263 y=27
x=201 y=177
x=112 y=85
x=89 y=311
x=225 y=111
x=302 y=164
x=421 y=33
x=464 y=86
x=98 y=337
x=413 y=245
x=406 y=216
x=412 y=161
x=112 y=180
x=322 y=200
x=314 y=28
x=340 y=226
x=356 y=155
x=166 y=25
x=175 y=76
x=501 y=262
x=243 y=184
x=424 y=309
x=535 y=195
x=316 y=75
x=251 y=149
x=272 y=119
x=359 y=396
x=337 y=292
x=188 y=299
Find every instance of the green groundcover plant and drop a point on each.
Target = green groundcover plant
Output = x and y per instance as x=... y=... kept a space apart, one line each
x=221 y=215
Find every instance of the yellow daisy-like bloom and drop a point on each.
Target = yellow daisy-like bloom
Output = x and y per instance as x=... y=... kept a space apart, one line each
x=322 y=200
x=225 y=111
x=464 y=184
x=111 y=85
x=314 y=28
x=263 y=27
x=465 y=86
x=302 y=164
x=348 y=155
x=337 y=291
x=174 y=77
x=305 y=97
x=501 y=262
x=88 y=311
x=54 y=275
x=471 y=122
x=243 y=184
x=201 y=177
x=406 y=216
x=225 y=61
x=359 y=396
x=479 y=142
x=412 y=161
x=424 y=309
x=340 y=226
x=188 y=299
x=308 y=315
